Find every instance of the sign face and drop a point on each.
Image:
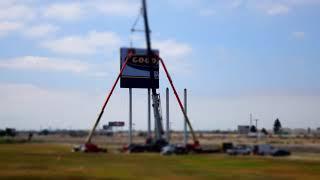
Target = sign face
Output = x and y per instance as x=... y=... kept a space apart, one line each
x=136 y=74
x=116 y=124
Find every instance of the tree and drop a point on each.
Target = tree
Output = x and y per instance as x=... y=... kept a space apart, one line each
x=11 y=132
x=309 y=130
x=277 y=126
x=264 y=131
x=253 y=129
x=2 y=132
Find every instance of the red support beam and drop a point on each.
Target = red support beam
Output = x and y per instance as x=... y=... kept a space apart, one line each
x=196 y=142
x=107 y=99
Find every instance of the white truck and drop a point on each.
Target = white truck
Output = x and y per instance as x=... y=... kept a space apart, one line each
x=267 y=149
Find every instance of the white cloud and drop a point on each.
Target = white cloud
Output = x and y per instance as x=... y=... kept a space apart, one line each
x=40 y=30
x=117 y=8
x=64 y=11
x=277 y=9
x=186 y=3
x=268 y=7
x=280 y=7
x=37 y=31
x=16 y=11
x=21 y=103
x=26 y=106
x=88 y=44
x=44 y=64
x=56 y=65
x=298 y=35
x=72 y=11
x=175 y=54
x=302 y=2
x=215 y=8
x=173 y=49
x=99 y=74
x=271 y=8
x=228 y=112
x=136 y=39
x=8 y=27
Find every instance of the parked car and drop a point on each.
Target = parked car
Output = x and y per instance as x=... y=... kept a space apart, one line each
x=263 y=149
x=88 y=148
x=280 y=152
x=240 y=150
x=226 y=146
x=173 y=149
x=267 y=149
x=137 y=148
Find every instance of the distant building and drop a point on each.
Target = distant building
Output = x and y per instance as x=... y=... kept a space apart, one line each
x=243 y=129
x=300 y=131
x=286 y=131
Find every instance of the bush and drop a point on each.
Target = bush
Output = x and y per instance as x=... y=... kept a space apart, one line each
x=10 y=132
x=142 y=134
x=2 y=133
x=44 y=132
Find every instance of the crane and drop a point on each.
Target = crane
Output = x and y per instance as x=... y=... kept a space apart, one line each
x=159 y=141
x=155 y=96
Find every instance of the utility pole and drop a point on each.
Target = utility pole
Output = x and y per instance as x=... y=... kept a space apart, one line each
x=257 y=128
x=250 y=120
x=256 y=123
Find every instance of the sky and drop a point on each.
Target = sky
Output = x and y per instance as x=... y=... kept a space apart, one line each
x=59 y=58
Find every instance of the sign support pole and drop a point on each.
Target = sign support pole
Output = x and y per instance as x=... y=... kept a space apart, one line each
x=149 y=114
x=130 y=116
x=185 y=130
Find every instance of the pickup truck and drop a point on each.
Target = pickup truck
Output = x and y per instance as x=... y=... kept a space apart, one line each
x=267 y=149
x=240 y=150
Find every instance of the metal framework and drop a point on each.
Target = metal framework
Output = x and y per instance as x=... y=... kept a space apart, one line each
x=155 y=95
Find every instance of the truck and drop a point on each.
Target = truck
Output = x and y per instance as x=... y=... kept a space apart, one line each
x=267 y=149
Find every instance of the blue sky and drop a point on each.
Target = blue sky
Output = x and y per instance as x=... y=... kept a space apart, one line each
x=59 y=58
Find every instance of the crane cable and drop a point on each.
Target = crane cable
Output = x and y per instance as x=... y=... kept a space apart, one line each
x=133 y=28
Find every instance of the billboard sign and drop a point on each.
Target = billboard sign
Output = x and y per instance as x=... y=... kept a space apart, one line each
x=116 y=124
x=137 y=71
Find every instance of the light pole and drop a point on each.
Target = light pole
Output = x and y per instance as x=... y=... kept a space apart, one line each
x=257 y=128
x=256 y=123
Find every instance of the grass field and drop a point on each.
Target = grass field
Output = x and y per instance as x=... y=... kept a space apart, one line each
x=56 y=161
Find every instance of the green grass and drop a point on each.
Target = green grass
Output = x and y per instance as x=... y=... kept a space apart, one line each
x=10 y=140
x=55 y=161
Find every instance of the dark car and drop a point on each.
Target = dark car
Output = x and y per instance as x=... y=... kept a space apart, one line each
x=281 y=152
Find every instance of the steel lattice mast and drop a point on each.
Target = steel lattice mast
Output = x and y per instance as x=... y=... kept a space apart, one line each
x=155 y=96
